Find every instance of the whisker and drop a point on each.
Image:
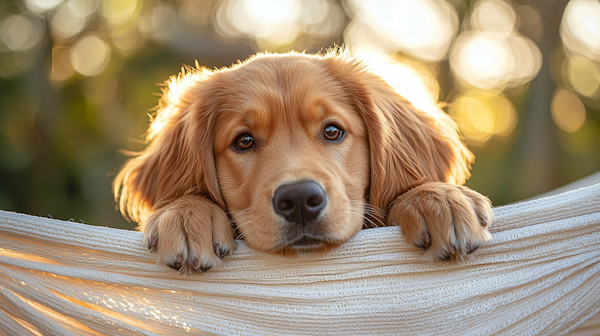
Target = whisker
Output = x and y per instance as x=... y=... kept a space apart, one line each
x=371 y=210
x=236 y=217
x=369 y=207
x=241 y=235
x=364 y=217
x=376 y=218
x=243 y=224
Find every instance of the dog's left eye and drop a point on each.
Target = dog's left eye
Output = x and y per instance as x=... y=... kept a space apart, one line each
x=332 y=132
x=244 y=142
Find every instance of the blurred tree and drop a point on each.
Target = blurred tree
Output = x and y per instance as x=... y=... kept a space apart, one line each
x=539 y=153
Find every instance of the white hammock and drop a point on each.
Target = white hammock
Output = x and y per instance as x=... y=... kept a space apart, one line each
x=540 y=274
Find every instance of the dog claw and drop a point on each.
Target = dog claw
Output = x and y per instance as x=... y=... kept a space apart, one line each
x=152 y=244
x=176 y=266
x=452 y=249
x=196 y=263
x=425 y=241
x=220 y=251
x=483 y=220
x=180 y=258
x=426 y=238
x=471 y=249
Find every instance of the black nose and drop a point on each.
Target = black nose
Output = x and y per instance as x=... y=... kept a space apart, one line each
x=300 y=202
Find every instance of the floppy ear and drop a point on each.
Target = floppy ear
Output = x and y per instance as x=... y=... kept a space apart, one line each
x=407 y=147
x=179 y=158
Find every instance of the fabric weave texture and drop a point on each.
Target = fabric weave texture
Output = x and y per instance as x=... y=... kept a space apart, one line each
x=539 y=275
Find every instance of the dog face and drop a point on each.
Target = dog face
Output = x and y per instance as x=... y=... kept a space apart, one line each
x=292 y=160
x=298 y=149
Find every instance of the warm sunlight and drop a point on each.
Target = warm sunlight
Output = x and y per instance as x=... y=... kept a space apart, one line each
x=493 y=55
x=580 y=28
x=422 y=28
x=480 y=60
x=416 y=85
x=481 y=115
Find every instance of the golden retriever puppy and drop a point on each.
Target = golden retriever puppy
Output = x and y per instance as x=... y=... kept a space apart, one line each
x=296 y=153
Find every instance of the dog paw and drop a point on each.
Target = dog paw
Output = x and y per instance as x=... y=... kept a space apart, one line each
x=444 y=219
x=189 y=234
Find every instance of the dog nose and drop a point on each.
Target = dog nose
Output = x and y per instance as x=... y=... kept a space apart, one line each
x=299 y=202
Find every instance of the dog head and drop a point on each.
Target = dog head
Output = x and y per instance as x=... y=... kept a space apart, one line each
x=301 y=150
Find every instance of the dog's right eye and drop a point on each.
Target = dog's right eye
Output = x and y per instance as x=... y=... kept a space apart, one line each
x=333 y=133
x=244 y=142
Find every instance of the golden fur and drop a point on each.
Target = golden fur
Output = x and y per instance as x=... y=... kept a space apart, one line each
x=396 y=165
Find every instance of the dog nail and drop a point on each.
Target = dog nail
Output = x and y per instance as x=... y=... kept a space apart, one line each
x=205 y=268
x=452 y=249
x=220 y=251
x=426 y=238
x=152 y=244
x=196 y=263
x=471 y=249
x=483 y=220
x=176 y=267
x=180 y=258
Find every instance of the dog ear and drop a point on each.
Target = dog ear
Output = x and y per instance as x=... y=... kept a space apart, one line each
x=407 y=147
x=179 y=158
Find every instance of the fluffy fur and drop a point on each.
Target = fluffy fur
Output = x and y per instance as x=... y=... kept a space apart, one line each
x=190 y=190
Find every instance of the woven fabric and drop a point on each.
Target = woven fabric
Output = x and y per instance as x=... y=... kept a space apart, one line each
x=539 y=275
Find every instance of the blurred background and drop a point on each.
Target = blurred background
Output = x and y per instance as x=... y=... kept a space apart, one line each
x=79 y=77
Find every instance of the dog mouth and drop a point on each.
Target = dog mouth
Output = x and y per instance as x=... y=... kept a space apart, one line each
x=307 y=242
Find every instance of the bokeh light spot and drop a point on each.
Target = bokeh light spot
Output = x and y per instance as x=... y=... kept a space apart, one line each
x=481 y=115
x=480 y=59
x=493 y=16
x=82 y=8
x=580 y=28
x=40 y=6
x=90 y=55
x=159 y=22
x=494 y=55
x=65 y=23
x=272 y=12
x=422 y=28
x=583 y=75
x=568 y=111
x=127 y=40
x=272 y=21
x=118 y=11
x=21 y=33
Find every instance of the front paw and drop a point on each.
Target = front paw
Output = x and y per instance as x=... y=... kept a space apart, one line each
x=189 y=234
x=444 y=219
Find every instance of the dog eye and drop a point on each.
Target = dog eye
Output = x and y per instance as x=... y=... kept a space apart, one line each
x=332 y=132
x=244 y=142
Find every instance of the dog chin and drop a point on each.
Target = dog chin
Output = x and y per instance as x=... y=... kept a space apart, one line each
x=306 y=246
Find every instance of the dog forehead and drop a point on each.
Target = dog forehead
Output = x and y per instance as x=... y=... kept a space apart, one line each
x=269 y=90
